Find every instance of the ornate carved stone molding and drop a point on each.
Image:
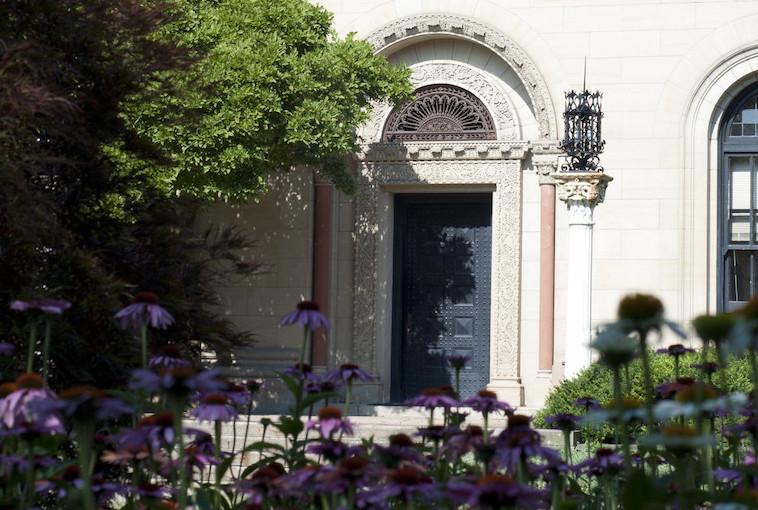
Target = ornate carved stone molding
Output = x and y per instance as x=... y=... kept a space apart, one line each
x=371 y=237
x=432 y=151
x=508 y=50
x=582 y=186
x=582 y=192
x=440 y=113
x=451 y=73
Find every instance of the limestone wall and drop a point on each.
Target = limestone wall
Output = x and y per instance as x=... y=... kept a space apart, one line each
x=667 y=68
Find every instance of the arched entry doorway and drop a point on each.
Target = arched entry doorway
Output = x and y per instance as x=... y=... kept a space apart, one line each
x=466 y=137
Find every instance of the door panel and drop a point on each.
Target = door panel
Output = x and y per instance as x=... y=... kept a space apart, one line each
x=442 y=291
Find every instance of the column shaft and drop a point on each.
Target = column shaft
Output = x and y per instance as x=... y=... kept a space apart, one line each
x=547 y=275
x=322 y=228
x=579 y=291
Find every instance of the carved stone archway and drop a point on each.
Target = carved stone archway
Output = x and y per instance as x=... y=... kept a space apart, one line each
x=456 y=26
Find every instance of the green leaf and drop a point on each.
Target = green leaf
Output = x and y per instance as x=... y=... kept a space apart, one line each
x=289 y=425
x=641 y=493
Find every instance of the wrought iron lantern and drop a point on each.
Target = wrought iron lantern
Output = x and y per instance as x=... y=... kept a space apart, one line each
x=582 y=142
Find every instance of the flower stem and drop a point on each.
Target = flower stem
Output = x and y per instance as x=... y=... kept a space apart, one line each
x=244 y=437
x=178 y=410
x=28 y=495
x=46 y=351
x=620 y=426
x=85 y=433
x=143 y=339
x=306 y=334
x=648 y=381
x=32 y=342
x=217 y=452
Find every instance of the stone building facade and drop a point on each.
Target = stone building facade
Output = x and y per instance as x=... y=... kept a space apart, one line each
x=679 y=80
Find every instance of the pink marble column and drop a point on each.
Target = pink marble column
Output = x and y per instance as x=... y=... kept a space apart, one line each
x=547 y=274
x=322 y=233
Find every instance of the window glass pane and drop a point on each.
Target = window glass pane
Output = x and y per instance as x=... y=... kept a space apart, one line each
x=739 y=169
x=738 y=275
x=739 y=229
x=744 y=122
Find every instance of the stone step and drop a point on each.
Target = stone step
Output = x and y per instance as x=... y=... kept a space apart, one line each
x=378 y=427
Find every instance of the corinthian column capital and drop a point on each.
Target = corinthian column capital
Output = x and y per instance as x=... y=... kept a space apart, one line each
x=582 y=187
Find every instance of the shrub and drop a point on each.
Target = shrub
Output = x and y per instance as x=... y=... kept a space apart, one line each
x=596 y=381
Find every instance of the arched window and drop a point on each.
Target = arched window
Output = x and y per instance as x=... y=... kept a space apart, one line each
x=738 y=202
x=440 y=112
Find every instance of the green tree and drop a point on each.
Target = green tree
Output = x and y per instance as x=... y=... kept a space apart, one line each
x=108 y=108
x=274 y=88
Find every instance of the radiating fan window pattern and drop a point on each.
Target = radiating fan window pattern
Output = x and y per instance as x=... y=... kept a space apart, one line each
x=440 y=112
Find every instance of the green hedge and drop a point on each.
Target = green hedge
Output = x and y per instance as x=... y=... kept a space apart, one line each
x=596 y=381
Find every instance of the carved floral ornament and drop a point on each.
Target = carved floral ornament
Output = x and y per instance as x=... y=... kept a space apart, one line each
x=440 y=112
x=582 y=187
x=476 y=87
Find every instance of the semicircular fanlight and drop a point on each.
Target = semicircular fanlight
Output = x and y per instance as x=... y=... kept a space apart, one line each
x=440 y=112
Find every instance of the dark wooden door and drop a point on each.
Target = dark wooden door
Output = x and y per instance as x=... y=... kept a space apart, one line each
x=441 y=291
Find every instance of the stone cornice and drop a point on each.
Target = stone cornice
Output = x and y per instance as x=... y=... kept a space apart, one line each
x=586 y=187
x=451 y=151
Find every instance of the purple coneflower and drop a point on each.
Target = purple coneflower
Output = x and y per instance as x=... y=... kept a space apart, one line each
x=604 y=461
x=519 y=442
x=262 y=481
x=401 y=448
x=436 y=433
x=496 y=491
x=333 y=450
x=458 y=361
x=563 y=421
x=708 y=368
x=238 y=394
x=84 y=402
x=169 y=356
x=301 y=371
x=464 y=441
x=155 y=431
x=486 y=402
x=144 y=311
x=44 y=305
x=587 y=403
x=404 y=483
x=352 y=469
x=291 y=485
x=317 y=386
x=215 y=407
x=306 y=314
x=348 y=373
x=431 y=398
x=177 y=380
x=675 y=350
x=17 y=409
x=330 y=421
